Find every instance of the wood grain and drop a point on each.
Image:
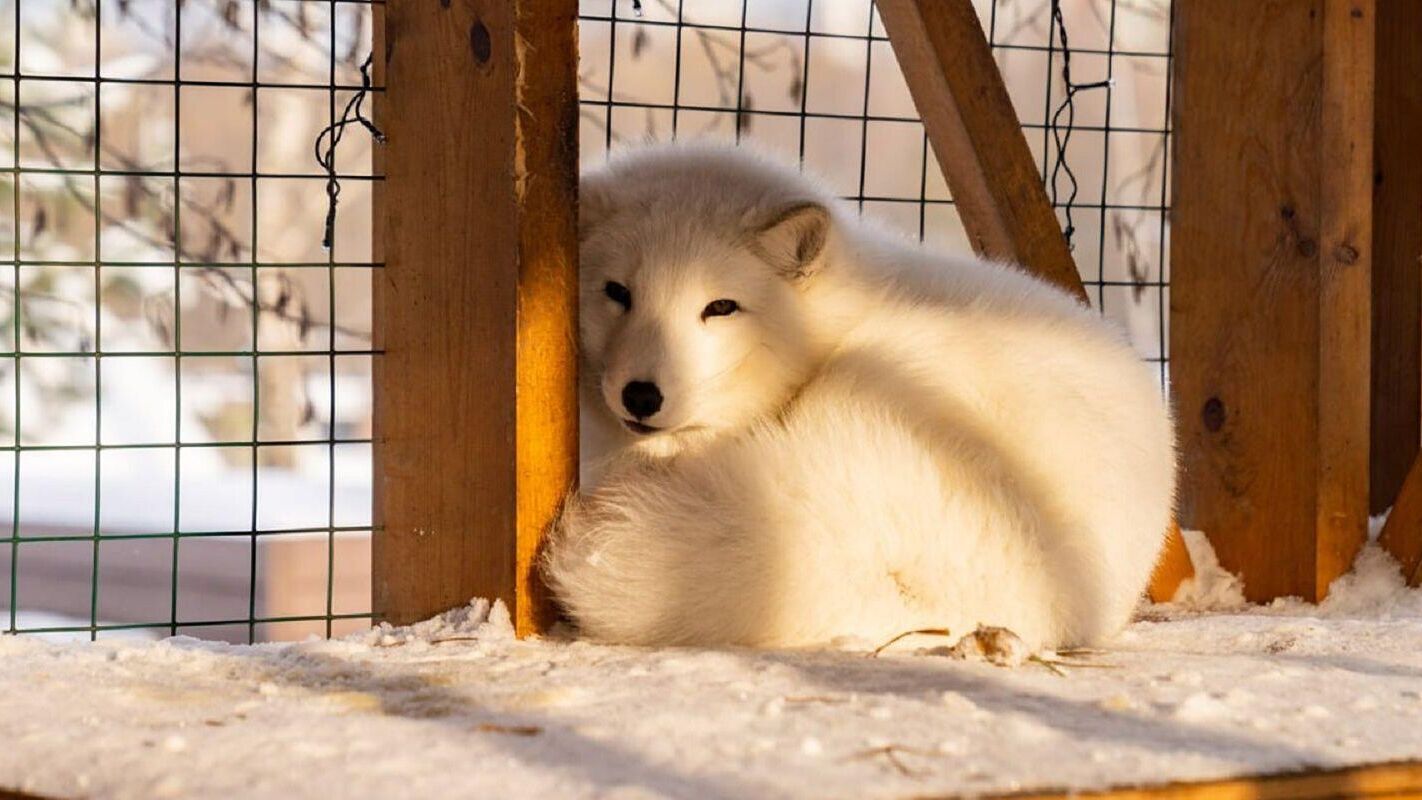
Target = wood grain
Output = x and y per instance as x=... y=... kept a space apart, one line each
x=968 y=116
x=1395 y=780
x=1270 y=297
x=1402 y=534
x=1345 y=302
x=476 y=308
x=1397 y=250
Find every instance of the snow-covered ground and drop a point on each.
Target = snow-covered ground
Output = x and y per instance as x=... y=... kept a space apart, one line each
x=457 y=707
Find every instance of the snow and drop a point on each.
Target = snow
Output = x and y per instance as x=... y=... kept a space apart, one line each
x=1201 y=688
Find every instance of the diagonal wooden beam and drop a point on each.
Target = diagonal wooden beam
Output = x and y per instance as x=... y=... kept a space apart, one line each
x=1402 y=534
x=1172 y=569
x=948 y=65
x=1397 y=283
x=1397 y=250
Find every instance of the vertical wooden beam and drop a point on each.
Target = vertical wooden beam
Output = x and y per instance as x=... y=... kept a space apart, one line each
x=1271 y=282
x=948 y=66
x=1397 y=249
x=476 y=406
x=976 y=136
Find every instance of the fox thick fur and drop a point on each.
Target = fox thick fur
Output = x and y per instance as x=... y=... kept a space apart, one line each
x=868 y=438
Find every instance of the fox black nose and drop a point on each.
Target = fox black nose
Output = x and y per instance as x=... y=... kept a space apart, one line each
x=642 y=398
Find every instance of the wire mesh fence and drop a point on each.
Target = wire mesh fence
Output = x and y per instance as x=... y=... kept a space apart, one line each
x=817 y=81
x=186 y=384
x=185 y=369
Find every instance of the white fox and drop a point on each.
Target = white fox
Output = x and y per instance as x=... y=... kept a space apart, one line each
x=799 y=429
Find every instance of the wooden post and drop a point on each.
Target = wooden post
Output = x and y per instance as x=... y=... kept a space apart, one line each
x=947 y=64
x=1397 y=250
x=1271 y=280
x=476 y=406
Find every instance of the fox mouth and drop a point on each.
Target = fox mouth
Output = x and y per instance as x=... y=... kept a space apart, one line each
x=640 y=428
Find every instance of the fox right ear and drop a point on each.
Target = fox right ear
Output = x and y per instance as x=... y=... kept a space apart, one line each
x=595 y=205
x=794 y=238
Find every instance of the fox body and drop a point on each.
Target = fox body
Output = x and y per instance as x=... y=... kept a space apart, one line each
x=800 y=429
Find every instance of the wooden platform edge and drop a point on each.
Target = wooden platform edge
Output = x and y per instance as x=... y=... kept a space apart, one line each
x=1392 y=779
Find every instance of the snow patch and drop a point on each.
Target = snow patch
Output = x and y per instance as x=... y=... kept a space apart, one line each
x=1212 y=588
x=456 y=706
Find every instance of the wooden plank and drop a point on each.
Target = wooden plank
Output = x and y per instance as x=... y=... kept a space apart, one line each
x=1345 y=297
x=1270 y=311
x=1401 y=779
x=1402 y=534
x=948 y=66
x=1397 y=250
x=476 y=405
x=1172 y=569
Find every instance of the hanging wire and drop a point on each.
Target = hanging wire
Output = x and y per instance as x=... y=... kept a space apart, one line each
x=1061 y=135
x=331 y=135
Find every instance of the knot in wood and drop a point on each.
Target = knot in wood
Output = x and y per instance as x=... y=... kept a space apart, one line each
x=480 y=43
x=1345 y=254
x=1213 y=414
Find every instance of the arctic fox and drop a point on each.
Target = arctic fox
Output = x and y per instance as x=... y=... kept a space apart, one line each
x=799 y=429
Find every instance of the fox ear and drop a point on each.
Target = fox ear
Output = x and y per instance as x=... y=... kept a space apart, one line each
x=595 y=205
x=793 y=240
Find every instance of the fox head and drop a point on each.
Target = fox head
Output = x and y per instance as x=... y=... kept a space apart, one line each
x=695 y=265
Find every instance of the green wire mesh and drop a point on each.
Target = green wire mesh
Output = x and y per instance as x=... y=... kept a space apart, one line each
x=146 y=569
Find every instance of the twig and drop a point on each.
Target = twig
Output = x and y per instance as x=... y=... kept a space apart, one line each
x=449 y=639
x=1056 y=665
x=815 y=698
x=512 y=730
x=920 y=631
x=891 y=753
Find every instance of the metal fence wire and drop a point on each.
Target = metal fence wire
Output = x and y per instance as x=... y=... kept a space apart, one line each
x=186 y=423
x=817 y=81
x=185 y=369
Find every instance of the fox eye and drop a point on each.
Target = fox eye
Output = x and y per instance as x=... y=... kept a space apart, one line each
x=720 y=308
x=619 y=294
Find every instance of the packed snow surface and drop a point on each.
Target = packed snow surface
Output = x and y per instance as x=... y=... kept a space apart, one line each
x=456 y=707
